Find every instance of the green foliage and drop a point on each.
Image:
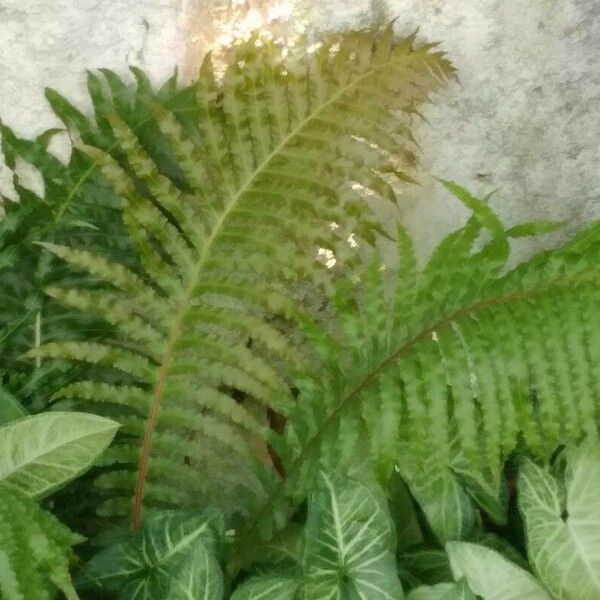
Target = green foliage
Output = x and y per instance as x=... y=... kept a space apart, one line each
x=78 y=207
x=270 y=156
x=349 y=543
x=37 y=455
x=172 y=557
x=443 y=591
x=567 y=513
x=170 y=281
x=43 y=452
x=347 y=548
x=490 y=575
x=460 y=362
x=35 y=551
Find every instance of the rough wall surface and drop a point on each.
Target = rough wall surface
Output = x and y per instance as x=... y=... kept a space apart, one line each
x=525 y=119
x=52 y=43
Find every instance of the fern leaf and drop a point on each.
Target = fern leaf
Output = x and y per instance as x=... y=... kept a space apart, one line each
x=77 y=206
x=477 y=356
x=35 y=551
x=227 y=239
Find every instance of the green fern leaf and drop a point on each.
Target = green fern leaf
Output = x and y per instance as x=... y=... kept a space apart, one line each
x=77 y=206
x=477 y=357
x=275 y=153
x=35 y=551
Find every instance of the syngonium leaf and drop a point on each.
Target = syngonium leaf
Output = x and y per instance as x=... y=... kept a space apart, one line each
x=35 y=551
x=347 y=549
x=563 y=529
x=42 y=452
x=443 y=591
x=449 y=510
x=492 y=576
x=199 y=576
x=174 y=556
x=268 y=587
x=349 y=543
x=424 y=565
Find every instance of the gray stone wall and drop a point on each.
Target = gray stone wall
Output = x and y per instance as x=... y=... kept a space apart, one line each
x=524 y=120
x=53 y=42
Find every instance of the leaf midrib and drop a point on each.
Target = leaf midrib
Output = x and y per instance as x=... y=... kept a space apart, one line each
x=195 y=279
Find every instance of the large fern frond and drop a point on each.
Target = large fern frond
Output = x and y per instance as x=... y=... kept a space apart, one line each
x=271 y=155
x=444 y=375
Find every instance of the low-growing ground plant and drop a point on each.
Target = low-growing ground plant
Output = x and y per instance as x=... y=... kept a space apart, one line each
x=296 y=418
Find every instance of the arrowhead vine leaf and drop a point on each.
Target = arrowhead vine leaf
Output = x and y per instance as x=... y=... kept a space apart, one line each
x=563 y=524
x=172 y=557
x=40 y=453
x=492 y=576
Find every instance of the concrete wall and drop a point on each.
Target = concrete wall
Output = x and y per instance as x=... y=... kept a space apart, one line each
x=525 y=119
x=52 y=43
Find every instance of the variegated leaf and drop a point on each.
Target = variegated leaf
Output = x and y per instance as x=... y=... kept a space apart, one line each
x=161 y=559
x=268 y=587
x=492 y=576
x=42 y=452
x=443 y=591
x=349 y=543
x=198 y=578
x=563 y=534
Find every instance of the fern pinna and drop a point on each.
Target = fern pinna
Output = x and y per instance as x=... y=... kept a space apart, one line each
x=270 y=154
x=445 y=375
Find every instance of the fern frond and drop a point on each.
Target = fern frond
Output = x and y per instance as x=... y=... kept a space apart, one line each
x=76 y=207
x=473 y=359
x=35 y=551
x=267 y=158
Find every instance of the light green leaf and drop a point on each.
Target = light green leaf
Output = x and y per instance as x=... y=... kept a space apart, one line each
x=490 y=493
x=268 y=587
x=42 y=452
x=492 y=576
x=443 y=591
x=161 y=558
x=198 y=577
x=448 y=508
x=564 y=540
x=431 y=592
x=349 y=543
